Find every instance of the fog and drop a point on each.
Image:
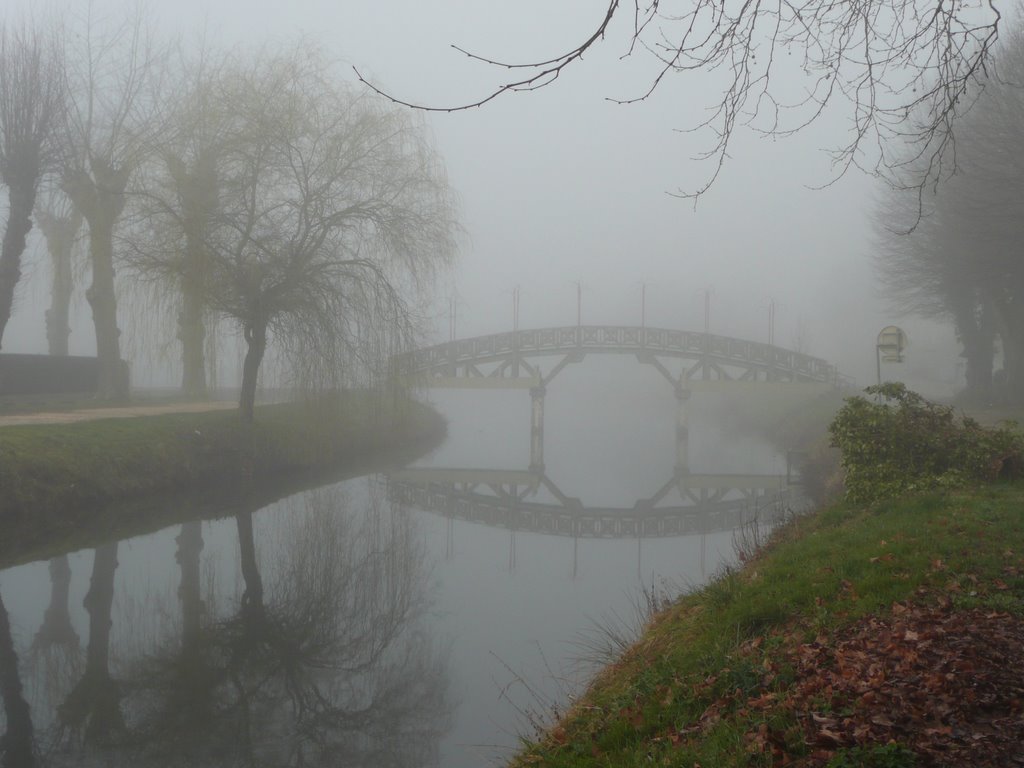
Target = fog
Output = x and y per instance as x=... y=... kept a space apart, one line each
x=561 y=186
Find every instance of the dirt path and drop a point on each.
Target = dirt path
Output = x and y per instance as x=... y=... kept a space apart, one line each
x=91 y=414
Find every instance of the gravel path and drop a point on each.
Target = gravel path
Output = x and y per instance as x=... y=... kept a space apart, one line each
x=91 y=414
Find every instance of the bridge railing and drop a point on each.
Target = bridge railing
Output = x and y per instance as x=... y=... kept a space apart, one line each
x=442 y=359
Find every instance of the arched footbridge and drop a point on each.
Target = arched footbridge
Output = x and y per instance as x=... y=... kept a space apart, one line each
x=704 y=361
x=510 y=359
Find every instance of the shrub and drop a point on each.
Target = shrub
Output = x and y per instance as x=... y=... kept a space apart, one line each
x=905 y=443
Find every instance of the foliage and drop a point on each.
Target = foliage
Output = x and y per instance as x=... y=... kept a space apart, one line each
x=904 y=443
x=878 y=756
x=332 y=210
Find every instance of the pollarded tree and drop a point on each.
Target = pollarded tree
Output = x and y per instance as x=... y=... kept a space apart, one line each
x=114 y=100
x=31 y=102
x=332 y=206
x=59 y=222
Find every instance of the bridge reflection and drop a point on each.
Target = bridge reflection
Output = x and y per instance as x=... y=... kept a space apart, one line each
x=705 y=503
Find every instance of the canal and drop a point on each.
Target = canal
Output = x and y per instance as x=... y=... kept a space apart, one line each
x=426 y=617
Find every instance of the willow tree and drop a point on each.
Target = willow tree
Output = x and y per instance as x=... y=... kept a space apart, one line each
x=176 y=203
x=31 y=102
x=333 y=209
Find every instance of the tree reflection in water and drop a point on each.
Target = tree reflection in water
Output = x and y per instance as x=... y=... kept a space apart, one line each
x=17 y=747
x=92 y=710
x=55 y=657
x=323 y=660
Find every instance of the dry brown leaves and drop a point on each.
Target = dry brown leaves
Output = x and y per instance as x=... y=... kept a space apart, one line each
x=947 y=684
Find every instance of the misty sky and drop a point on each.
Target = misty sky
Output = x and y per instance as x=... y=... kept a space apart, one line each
x=561 y=185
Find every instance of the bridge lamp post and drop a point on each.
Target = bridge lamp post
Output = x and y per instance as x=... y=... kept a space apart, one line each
x=772 y=312
x=643 y=313
x=452 y=310
x=515 y=308
x=643 y=305
x=579 y=311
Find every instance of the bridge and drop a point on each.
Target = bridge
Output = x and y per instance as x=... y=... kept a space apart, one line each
x=507 y=360
x=706 y=361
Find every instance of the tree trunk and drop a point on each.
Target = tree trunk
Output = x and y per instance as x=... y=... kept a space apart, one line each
x=16 y=743
x=256 y=339
x=1010 y=322
x=100 y=199
x=192 y=334
x=112 y=383
x=197 y=193
x=21 y=198
x=60 y=235
x=976 y=329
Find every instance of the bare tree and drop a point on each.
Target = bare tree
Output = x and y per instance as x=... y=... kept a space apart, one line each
x=961 y=258
x=332 y=205
x=111 y=121
x=903 y=70
x=31 y=100
x=176 y=202
x=59 y=223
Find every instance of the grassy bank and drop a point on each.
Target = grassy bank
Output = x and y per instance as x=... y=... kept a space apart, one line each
x=882 y=635
x=60 y=481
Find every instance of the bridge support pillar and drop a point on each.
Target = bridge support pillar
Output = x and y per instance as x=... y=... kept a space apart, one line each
x=537 y=428
x=682 y=429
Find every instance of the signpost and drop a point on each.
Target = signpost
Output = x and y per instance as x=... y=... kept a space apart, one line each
x=892 y=342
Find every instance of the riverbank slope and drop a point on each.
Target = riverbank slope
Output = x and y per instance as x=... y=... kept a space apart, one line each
x=863 y=635
x=65 y=484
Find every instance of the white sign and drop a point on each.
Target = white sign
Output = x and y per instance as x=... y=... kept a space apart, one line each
x=892 y=341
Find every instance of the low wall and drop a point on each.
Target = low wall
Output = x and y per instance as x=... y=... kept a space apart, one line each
x=46 y=374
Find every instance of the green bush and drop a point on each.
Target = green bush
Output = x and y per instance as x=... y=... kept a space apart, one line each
x=905 y=443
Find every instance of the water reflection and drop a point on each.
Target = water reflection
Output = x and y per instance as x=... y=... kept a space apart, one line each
x=16 y=745
x=313 y=651
x=531 y=501
x=315 y=627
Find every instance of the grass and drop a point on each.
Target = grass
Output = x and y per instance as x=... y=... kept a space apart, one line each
x=656 y=705
x=64 y=481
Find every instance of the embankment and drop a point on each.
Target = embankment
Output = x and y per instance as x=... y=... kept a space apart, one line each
x=63 y=486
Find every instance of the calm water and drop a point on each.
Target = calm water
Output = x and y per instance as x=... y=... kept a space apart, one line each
x=419 y=619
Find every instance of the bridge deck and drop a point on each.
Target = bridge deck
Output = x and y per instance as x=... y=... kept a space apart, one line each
x=712 y=357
